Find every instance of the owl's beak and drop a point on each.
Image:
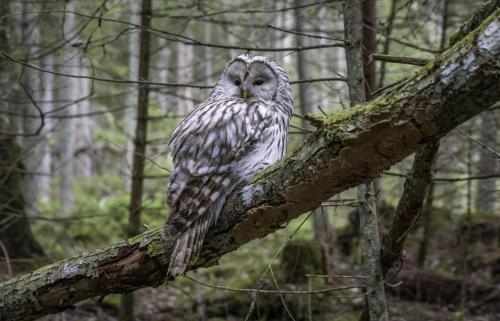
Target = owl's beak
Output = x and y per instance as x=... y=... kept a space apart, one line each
x=245 y=93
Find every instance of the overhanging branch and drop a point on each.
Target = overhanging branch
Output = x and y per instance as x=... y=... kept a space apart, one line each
x=349 y=148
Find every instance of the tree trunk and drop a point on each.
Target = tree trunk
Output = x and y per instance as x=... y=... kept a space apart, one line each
x=427 y=208
x=84 y=139
x=133 y=66
x=320 y=221
x=427 y=225
x=164 y=56
x=185 y=60
x=15 y=233
x=47 y=104
x=140 y=139
x=68 y=93
x=360 y=78
x=387 y=40
x=348 y=149
x=486 y=191
x=32 y=145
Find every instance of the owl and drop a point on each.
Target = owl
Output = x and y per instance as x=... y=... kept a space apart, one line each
x=237 y=132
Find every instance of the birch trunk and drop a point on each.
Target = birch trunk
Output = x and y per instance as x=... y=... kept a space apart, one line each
x=68 y=94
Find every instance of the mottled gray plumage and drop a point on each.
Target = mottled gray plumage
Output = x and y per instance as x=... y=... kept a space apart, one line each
x=237 y=132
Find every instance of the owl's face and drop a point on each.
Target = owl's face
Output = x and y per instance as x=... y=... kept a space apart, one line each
x=250 y=81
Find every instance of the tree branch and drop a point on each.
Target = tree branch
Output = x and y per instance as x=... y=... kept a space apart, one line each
x=410 y=205
x=351 y=147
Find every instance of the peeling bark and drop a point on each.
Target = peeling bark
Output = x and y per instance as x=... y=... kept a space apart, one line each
x=350 y=148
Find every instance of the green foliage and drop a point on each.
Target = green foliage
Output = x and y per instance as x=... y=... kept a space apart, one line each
x=100 y=216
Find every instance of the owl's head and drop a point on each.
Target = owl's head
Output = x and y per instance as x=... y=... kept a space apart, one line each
x=254 y=78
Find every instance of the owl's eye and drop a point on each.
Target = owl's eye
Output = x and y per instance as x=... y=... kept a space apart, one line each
x=237 y=82
x=258 y=82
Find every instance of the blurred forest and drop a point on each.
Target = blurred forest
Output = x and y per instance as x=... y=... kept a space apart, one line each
x=90 y=91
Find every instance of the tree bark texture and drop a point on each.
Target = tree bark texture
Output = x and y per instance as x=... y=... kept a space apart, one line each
x=139 y=156
x=486 y=193
x=320 y=222
x=141 y=128
x=68 y=92
x=358 y=17
x=15 y=233
x=410 y=205
x=349 y=148
x=130 y=100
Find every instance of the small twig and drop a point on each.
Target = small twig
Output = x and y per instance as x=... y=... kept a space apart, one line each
x=281 y=295
x=457 y=179
x=145 y=156
x=300 y=128
x=314 y=120
x=321 y=110
x=336 y=276
x=489 y=149
x=304 y=34
x=7 y=258
x=400 y=59
x=38 y=109
x=306 y=81
x=382 y=89
x=298 y=292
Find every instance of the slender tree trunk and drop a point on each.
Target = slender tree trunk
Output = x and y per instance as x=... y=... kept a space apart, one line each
x=370 y=242
x=369 y=15
x=463 y=242
x=444 y=26
x=84 y=140
x=185 y=60
x=320 y=221
x=486 y=190
x=15 y=233
x=133 y=66
x=164 y=55
x=140 y=139
x=387 y=41
x=427 y=225
x=427 y=211
x=68 y=93
x=32 y=146
x=46 y=157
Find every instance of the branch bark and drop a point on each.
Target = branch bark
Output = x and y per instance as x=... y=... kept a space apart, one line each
x=410 y=205
x=350 y=148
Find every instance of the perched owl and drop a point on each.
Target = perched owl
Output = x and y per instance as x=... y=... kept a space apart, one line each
x=237 y=132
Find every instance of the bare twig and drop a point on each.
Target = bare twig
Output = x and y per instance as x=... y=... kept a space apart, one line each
x=489 y=149
x=298 y=292
x=400 y=59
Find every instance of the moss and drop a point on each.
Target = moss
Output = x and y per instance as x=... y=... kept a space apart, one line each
x=156 y=248
x=337 y=125
x=268 y=171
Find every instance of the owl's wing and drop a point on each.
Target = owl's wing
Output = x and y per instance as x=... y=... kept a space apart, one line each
x=206 y=147
x=215 y=134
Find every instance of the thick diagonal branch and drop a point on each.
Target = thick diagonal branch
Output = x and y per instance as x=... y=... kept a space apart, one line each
x=349 y=148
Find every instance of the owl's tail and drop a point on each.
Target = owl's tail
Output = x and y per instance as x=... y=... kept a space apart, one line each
x=194 y=210
x=187 y=247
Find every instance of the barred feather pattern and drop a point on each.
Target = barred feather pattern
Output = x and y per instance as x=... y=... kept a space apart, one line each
x=223 y=142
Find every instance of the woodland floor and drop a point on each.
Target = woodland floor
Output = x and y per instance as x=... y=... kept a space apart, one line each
x=432 y=293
